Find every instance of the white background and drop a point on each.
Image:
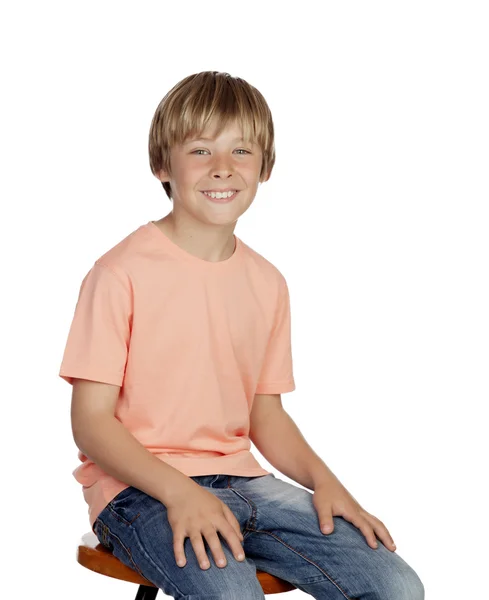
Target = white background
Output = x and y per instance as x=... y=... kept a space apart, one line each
x=376 y=213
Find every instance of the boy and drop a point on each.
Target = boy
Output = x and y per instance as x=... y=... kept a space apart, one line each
x=178 y=353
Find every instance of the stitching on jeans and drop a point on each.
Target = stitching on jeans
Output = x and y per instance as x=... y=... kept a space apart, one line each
x=100 y=531
x=121 y=519
x=128 y=553
x=305 y=558
x=161 y=570
x=252 y=505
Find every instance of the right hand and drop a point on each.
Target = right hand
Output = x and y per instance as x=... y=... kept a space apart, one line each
x=195 y=513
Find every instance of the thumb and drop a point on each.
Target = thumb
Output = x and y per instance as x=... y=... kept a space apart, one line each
x=327 y=525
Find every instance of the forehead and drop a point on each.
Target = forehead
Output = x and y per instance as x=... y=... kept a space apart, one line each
x=232 y=133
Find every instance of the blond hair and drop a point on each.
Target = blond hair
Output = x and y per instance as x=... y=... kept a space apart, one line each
x=188 y=107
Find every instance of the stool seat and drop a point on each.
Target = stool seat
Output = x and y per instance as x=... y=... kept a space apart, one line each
x=92 y=555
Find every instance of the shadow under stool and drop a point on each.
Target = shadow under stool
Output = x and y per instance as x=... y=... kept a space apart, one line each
x=92 y=555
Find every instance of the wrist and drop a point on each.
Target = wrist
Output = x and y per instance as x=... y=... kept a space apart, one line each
x=323 y=478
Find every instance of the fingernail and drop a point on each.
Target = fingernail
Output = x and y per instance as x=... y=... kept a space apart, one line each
x=240 y=556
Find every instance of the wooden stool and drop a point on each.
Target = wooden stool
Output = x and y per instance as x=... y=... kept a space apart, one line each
x=92 y=555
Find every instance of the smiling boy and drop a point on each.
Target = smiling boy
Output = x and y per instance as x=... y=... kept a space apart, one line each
x=178 y=353
x=202 y=221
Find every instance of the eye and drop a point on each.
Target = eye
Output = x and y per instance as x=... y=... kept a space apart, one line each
x=237 y=150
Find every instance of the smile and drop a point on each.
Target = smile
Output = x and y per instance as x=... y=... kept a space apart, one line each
x=220 y=197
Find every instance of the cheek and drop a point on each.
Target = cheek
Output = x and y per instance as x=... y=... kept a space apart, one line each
x=190 y=174
x=251 y=170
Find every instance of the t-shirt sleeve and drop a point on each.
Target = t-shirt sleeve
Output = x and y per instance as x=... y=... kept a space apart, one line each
x=99 y=336
x=277 y=370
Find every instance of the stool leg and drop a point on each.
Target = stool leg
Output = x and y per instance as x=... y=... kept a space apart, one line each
x=146 y=593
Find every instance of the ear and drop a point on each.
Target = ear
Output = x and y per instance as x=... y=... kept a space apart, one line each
x=162 y=175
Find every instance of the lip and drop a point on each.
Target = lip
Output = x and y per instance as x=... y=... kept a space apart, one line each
x=223 y=190
x=221 y=200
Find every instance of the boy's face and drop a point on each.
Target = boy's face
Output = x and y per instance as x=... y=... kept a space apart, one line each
x=220 y=163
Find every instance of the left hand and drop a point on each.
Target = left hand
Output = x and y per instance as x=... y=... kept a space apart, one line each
x=332 y=499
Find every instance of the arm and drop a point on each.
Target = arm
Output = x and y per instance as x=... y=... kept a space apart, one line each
x=105 y=441
x=280 y=441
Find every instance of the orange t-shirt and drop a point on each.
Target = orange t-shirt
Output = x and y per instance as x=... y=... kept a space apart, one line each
x=190 y=342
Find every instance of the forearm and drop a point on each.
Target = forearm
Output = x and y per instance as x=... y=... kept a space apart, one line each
x=116 y=451
x=283 y=445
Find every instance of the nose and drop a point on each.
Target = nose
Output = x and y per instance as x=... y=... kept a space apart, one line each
x=221 y=168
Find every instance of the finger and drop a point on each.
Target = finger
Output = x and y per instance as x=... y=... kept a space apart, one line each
x=215 y=545
x=178 y=539
x=228 y=513
x=327 y=524
x=199 y=549
x=229 y=534
x=383 y=533
x=366 y=528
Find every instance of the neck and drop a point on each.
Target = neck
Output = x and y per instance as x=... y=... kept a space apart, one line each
x=213 y=243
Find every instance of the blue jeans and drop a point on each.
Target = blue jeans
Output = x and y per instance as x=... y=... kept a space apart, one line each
x=281 y=536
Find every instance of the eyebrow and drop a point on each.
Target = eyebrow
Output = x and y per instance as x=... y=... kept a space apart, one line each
x=212 y=139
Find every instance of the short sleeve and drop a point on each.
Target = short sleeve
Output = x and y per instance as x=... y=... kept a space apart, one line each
x=99 y=336
x=277 y=370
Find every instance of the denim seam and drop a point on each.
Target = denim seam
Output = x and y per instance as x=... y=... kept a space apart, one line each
x=119 y=518
x=252 y=519
x=99 y=531
x=305 y=558
x=160 y=570
x=128 y=552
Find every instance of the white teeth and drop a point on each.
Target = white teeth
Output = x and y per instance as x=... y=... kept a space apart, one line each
x=220 y=194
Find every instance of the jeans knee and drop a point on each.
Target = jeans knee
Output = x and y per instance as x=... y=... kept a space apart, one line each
x=416 y=590
x=406 y=586
x=231 y=594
